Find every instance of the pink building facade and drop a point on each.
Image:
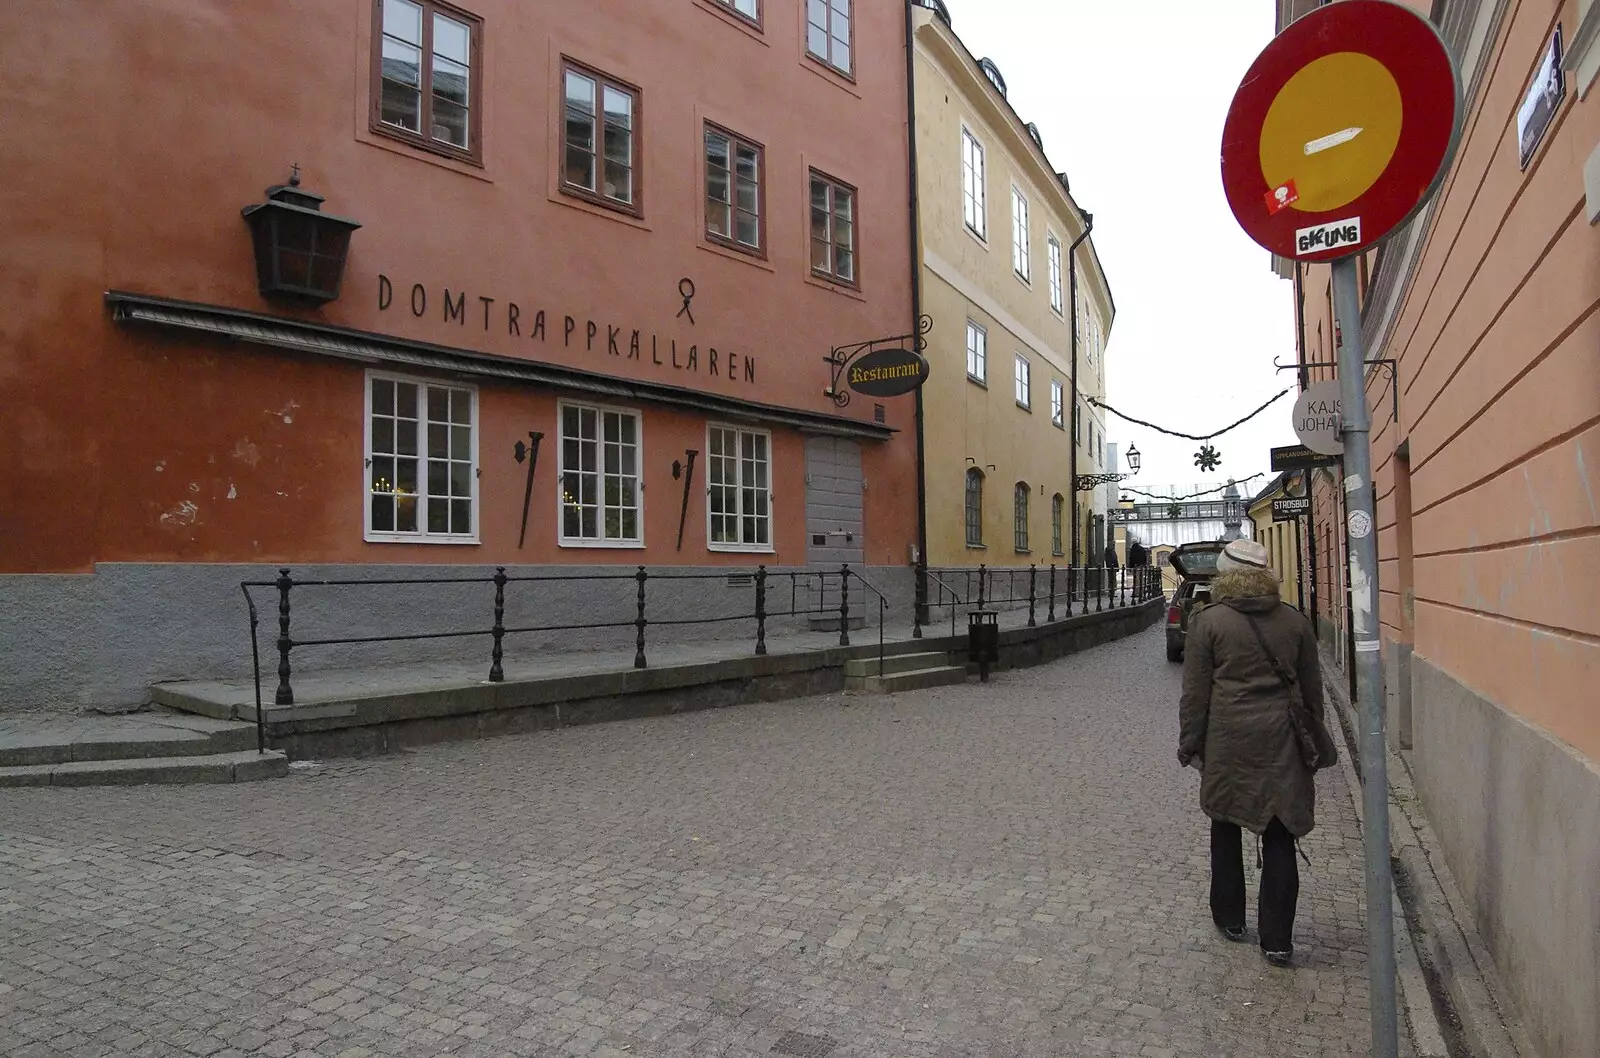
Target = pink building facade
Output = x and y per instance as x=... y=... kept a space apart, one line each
x=629 y=230
x=1484 y=451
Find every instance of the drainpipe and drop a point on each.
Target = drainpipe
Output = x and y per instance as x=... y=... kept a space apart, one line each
x=1072 y=322
x=915 y=211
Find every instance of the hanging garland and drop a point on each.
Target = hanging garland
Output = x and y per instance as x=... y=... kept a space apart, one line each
x=1192 y=495
x=1188 y=436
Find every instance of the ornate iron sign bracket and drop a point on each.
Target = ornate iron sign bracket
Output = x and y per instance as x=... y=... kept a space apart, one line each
x=1387 y=365
x=1089 y=482
x=840 y=357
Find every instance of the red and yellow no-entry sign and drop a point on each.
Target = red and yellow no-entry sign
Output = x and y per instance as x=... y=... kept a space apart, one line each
x=1343 y=127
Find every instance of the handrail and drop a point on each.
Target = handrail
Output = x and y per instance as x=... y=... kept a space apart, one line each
x=813 y=603
x=845 y=573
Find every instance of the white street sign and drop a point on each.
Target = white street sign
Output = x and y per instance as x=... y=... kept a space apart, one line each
x=1317 y=418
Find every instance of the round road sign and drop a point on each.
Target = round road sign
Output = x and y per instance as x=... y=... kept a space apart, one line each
x=1343 y=127
x=1317 y=416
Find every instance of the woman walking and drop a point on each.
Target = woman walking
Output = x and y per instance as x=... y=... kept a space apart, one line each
x=1251 y=660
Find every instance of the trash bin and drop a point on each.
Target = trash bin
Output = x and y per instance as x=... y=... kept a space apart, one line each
x=983 y=640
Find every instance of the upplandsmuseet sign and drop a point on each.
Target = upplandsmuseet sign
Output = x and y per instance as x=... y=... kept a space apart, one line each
x=888 y=372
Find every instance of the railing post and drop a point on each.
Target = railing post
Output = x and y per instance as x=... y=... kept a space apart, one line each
x=761 y=610
x=844 y=605
x=255 y=662
x=983 y=575
x=496 y=673
x=1122 y=587
x=285 y=695
x=919 y=615
x=1051 y=616
x=639 y=622
x=1033 y=580
x=1100 y=590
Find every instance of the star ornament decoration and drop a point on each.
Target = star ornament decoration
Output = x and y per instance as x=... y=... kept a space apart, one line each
x=1207 y=458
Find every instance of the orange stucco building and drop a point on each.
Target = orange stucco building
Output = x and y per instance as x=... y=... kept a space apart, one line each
x=1483 y=452
x=632 y=229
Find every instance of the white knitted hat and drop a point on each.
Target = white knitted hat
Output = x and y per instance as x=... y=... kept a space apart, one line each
x=1242 y=554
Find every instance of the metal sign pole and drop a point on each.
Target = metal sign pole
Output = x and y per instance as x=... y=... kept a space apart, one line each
x=1361 y=534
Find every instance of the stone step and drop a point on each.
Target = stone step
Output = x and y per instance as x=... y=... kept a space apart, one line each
x=915 y=680
x=830 y=623
x=45 y=740
x=893 y=663
x=246 y=766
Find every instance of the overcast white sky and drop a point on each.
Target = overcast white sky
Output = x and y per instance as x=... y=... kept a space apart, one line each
x=1130 y=99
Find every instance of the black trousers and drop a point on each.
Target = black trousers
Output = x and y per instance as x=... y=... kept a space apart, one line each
x=1280 y=883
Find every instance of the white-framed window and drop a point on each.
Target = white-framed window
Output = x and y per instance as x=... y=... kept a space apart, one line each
x=421 y=461
x=974 y=208
x=977 y=353
x=1020 y=258
x=1058 y=404
x=1054 y=251
x=601 y=498
x=738 y=489
x=1024 y=382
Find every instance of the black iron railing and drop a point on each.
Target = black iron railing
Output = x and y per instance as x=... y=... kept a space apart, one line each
x=808 y=597
x=987 y=587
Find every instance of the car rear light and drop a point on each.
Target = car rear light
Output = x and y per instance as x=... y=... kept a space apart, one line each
x=1174 y=615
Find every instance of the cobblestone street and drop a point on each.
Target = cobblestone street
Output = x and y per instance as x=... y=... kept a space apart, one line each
x=1017 y=868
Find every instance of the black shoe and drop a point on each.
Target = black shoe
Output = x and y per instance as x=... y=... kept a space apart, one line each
x=1233 y=933
x=1278 y=958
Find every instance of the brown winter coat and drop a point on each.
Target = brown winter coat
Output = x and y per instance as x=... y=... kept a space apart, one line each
x=1234 y=713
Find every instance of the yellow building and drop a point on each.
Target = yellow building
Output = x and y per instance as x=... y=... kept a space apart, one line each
x=1281 y=539
x=1006 y=259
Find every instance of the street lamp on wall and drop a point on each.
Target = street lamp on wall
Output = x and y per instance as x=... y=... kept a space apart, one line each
x=300 y=250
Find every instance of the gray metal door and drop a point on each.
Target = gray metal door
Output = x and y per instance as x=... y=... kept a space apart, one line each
x=833 y=501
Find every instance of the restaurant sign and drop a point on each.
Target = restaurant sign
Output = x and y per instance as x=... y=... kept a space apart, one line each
x=888 y=372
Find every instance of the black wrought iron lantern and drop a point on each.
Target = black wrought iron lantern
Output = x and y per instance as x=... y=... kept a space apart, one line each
x=1133 y=459
x=300 y=250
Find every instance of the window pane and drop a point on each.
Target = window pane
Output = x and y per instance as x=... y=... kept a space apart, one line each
x=400 y=103
x=817 y=40
x=580 y=167
x=451 y=39
x=382 y=435
x=619 y=108
x=461 y=516
x=749 y=230
x=382 y=396
x=382 y=474
x=403 y=20
x=438 y=477
x=439 y=516
x=406 y=514
x=382 y=514
x=461 y=479
x=405 y=394
x=820 y=254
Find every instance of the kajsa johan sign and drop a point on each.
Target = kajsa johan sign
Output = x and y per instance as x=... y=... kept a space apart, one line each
x=1317 y=418
x=888 y=372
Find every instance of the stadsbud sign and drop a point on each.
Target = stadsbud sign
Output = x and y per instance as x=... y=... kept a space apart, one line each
x=888 y=372
x=1317 y=418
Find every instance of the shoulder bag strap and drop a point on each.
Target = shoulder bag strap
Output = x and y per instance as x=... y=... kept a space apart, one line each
x=1272 y=659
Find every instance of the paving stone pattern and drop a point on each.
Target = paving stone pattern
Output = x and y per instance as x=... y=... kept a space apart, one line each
x=1015 y=868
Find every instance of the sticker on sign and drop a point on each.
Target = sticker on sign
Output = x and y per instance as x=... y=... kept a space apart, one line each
x=1325 y=237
